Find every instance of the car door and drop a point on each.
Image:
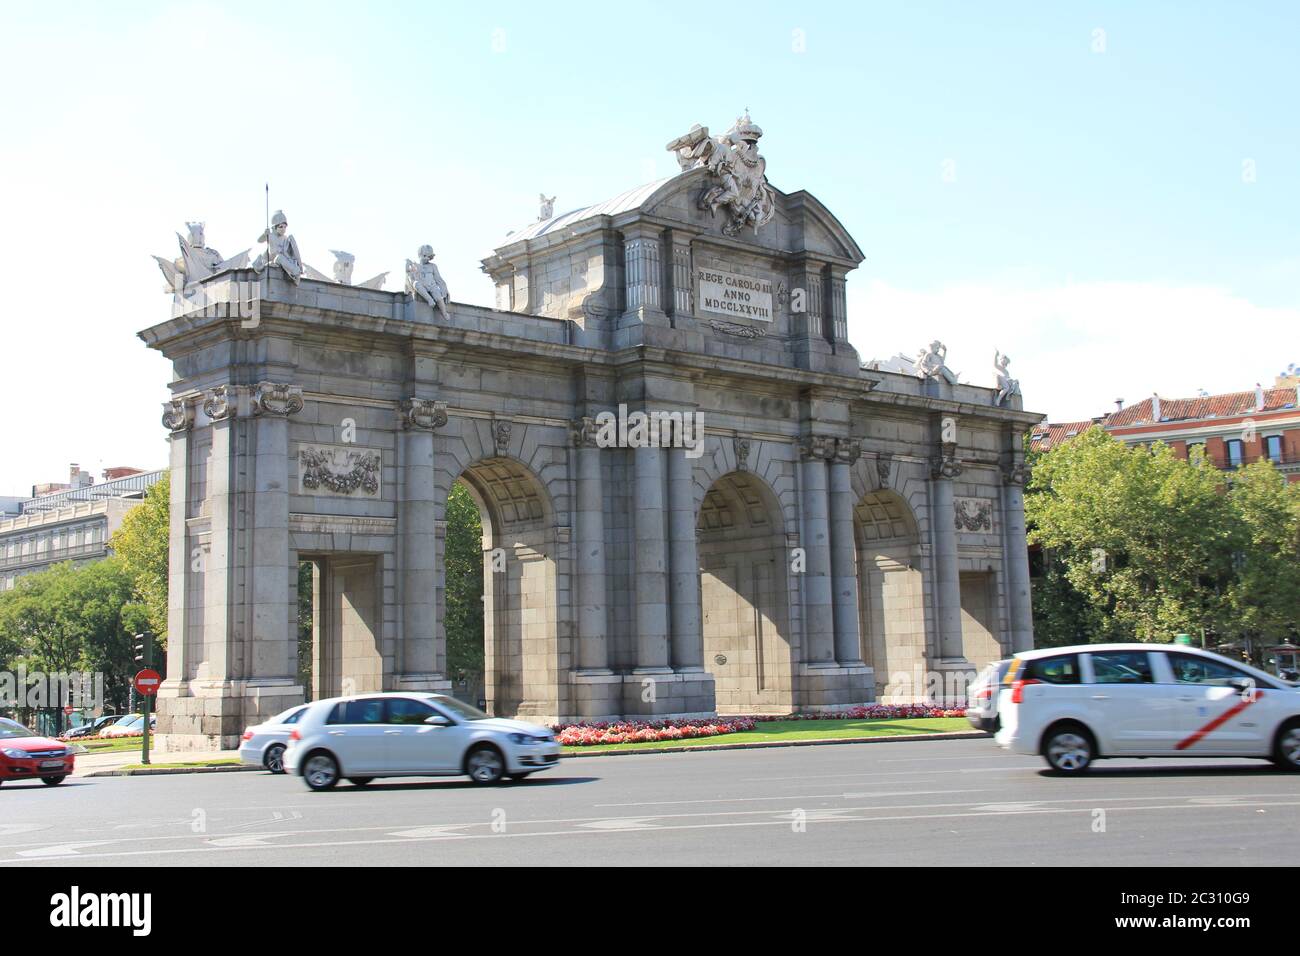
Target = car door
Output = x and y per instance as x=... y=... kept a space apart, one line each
x=1218 y=718
x=416 y=745
x=355 y=731
x=1139 y=716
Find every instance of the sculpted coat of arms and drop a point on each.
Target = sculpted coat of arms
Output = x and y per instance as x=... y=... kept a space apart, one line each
x=738 y=173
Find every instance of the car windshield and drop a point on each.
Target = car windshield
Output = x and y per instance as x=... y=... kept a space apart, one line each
x=459 y=708
x=129 y=720
x=10 y=729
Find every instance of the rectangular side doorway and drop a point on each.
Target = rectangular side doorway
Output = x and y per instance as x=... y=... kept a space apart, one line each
x=345 y=651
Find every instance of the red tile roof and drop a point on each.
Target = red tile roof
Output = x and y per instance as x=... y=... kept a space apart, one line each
x=1047 y=436
x=1192 y=409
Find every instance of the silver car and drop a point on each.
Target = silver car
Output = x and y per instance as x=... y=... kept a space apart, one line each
x=982 y=697
x=412 y=735
x=264 y=744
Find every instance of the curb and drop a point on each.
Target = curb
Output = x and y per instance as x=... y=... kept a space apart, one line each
x=757 y=745
x=159 y=771
x=766 y=744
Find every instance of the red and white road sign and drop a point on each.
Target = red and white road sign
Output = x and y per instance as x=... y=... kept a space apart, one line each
x=67 y=711
x=147 y=681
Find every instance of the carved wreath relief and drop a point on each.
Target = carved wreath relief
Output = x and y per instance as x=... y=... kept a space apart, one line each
x=973 y=514
x=339 y=470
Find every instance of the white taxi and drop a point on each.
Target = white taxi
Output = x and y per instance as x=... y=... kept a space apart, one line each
x=1073 y=705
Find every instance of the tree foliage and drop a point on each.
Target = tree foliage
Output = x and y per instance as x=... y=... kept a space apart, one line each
x=142 y=543
x=464 y=595
x=70 y=618
x=1142 y=544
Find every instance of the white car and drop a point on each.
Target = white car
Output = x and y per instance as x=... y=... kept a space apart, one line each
x=263 y=745
x=412 y=735
x=1073 y=705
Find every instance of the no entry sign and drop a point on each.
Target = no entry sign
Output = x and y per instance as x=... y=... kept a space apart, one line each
x=147 y=681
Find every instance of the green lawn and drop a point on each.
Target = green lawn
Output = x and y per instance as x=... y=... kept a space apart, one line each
x=97 y=746
x=784 y=730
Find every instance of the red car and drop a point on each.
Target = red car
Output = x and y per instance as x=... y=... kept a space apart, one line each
x=25 y=755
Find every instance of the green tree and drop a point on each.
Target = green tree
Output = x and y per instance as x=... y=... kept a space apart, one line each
x=75 y=618
x=463 y=561
x=142 y=543
x=1145 y=538
x=1265 y=594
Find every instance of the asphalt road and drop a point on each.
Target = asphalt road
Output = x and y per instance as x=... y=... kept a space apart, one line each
x=940 y=803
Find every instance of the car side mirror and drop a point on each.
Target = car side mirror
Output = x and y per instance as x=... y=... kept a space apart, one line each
x=1241 y=684
x=437 y=720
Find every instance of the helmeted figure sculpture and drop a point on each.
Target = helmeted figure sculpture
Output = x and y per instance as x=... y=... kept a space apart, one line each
x=739 y=173
x=931 y=362
x=424 y=281
x=197 y=261
x=281 y=249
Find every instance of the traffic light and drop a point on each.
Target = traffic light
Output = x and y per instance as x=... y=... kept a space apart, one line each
x=143 y=646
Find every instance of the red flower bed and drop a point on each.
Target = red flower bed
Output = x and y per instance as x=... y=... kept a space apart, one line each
x=878 y=712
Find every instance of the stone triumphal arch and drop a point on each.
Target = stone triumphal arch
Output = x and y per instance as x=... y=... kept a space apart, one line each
x=829 y=530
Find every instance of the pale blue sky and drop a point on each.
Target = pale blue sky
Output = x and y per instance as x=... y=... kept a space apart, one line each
x=1094 y=204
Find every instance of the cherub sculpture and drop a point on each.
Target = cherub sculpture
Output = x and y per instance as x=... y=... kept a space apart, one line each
x=931 y=362
x=1007 y=386
x=424 y=281
x=281 y=249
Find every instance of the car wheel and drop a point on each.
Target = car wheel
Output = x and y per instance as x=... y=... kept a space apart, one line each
x=485 y=765
x=53 y=781
x=1286 y=748
x=273 y=759
x=359 y=781
x=1068 y=749
x=321 y=771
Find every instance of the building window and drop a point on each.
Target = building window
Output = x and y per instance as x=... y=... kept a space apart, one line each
x=1233 y=450
x=1273 y=448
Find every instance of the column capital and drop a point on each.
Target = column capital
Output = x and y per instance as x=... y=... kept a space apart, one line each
x=817 y=446
x=847 y=450
x=178 y=414
x=423 y=413
x=945 y=464
x=582 y=432
x=272 y=398
x=1017 y=473
x=221 y=402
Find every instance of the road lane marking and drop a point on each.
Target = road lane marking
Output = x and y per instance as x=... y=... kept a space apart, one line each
x=782 y=821
x=796 y=796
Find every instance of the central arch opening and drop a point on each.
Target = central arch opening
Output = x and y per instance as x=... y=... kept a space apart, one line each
x=744 y=596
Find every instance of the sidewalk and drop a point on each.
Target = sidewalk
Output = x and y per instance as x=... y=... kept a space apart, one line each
x=88 y=764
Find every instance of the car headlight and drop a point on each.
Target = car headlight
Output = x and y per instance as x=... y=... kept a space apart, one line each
x=520 y=739
x=17 y=754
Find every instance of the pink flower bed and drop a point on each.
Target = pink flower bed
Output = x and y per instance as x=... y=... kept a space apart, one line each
x=667 y=731
x=648 y=731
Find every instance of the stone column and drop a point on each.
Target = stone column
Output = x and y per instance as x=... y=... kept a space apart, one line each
x=819 y=614
x=589 y=544
x=681 y=305
x=273 y=638
x=947 y=569
x=178 y=419
x=848 y=643
x=650 y=560
x=684 y=564
x=1016 y=548
x=418 y=544
x=220 y=570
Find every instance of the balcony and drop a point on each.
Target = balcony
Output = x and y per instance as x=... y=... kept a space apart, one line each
x=1285 y=462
